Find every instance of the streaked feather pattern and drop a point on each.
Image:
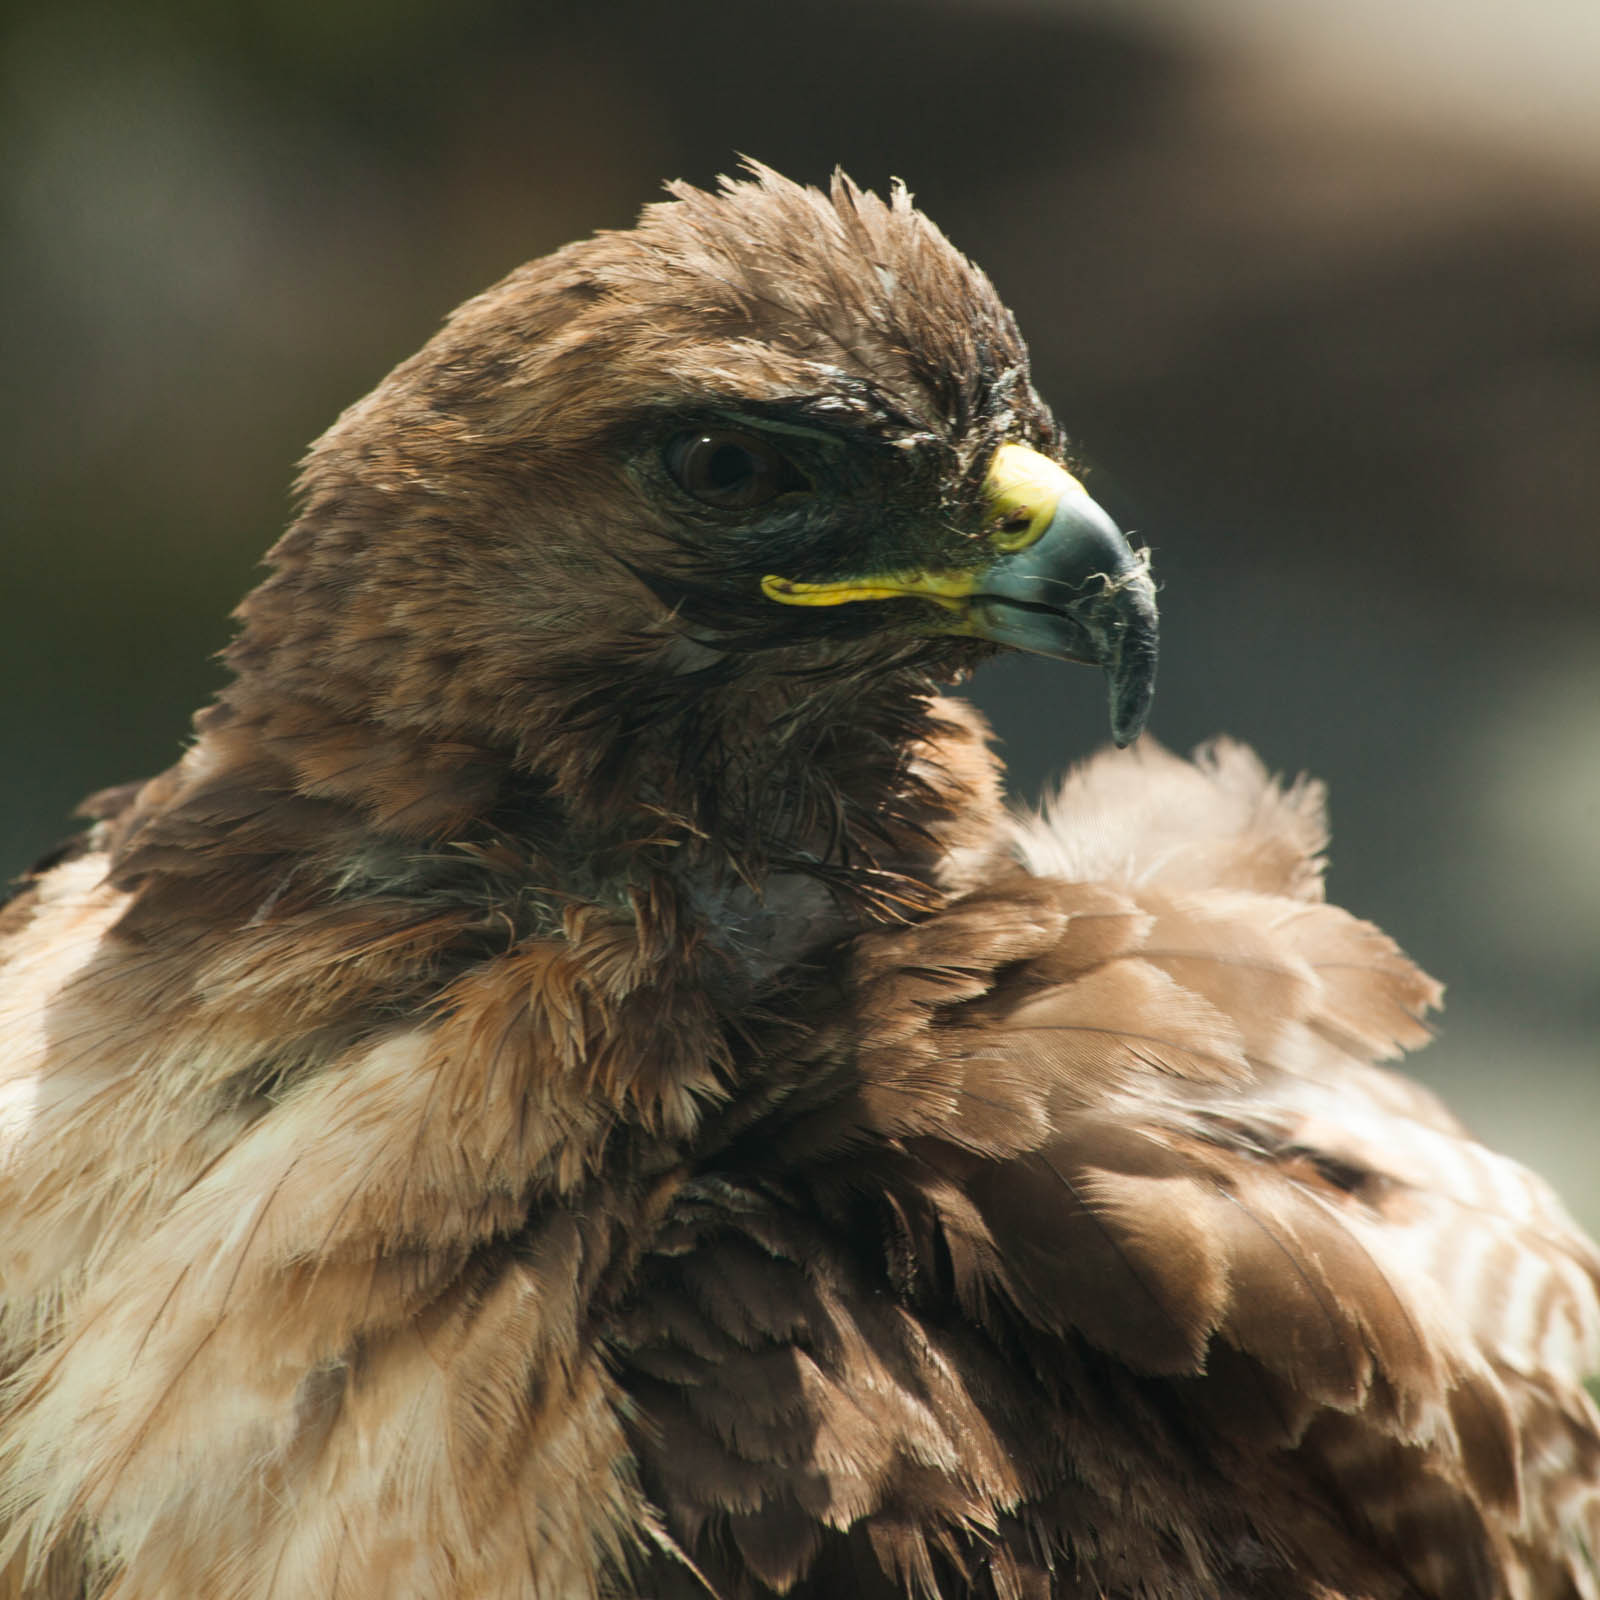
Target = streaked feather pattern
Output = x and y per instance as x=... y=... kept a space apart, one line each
x=534 y=1108
x=1065 y=1180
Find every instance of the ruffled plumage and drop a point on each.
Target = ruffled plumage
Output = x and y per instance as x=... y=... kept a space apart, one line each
x=453 y=1146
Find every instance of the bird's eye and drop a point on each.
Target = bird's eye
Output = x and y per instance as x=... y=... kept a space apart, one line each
x=730 y=469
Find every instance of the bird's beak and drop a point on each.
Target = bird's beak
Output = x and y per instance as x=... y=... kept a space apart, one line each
x=1063 y=583
x=1066 y=583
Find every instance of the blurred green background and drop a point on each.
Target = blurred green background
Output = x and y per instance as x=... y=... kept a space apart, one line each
x=1315 y=287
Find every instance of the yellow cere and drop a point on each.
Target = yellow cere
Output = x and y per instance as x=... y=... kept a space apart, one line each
x=1022 y=492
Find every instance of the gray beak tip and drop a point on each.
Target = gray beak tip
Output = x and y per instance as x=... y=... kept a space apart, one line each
x=1131 y=674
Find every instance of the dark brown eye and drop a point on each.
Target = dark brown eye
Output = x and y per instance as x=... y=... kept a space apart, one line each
x=730 y=469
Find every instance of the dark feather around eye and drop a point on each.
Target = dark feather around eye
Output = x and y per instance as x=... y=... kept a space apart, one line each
x=734 y=470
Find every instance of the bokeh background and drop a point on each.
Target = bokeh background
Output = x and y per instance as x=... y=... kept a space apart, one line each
x=1315 y=286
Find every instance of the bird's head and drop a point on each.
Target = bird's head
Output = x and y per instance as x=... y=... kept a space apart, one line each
x=769 y=438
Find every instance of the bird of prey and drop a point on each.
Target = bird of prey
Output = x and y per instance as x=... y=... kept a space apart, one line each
x=576 y=1085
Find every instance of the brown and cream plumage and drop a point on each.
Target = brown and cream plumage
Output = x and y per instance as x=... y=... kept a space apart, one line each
x=575 y=1085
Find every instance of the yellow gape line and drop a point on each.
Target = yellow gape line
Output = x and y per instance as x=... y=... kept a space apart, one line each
x=945 y=588
x=1021 y=494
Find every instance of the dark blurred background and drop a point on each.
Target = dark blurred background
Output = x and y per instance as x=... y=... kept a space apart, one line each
x=1315 y=287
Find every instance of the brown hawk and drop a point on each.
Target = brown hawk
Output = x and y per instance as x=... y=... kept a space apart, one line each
x=575 y=1084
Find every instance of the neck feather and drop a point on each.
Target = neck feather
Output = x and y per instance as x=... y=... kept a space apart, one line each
x=761 y=825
